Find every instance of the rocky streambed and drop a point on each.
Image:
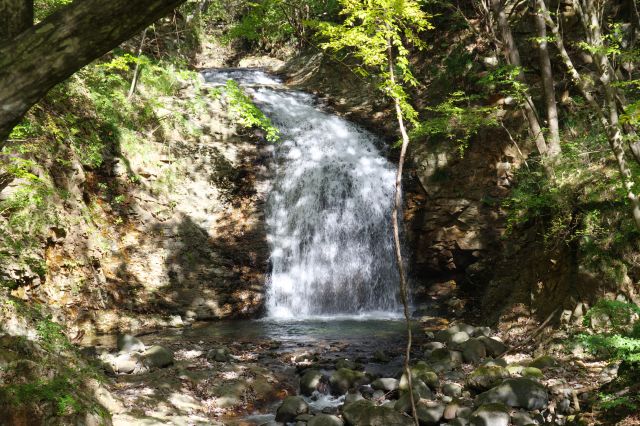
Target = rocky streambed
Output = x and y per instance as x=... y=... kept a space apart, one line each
x=339 y=372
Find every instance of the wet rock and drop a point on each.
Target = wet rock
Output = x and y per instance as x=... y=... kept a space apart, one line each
x=310 y=382
x=473 y=351
x=219 y=354
x=157 y=357
x=348 y=364
x=518 y=392
x=367 y=413
x=380 y=356
x=452 y=389
x=325 y=420
x=291 y=407
x=491 y=415
x=483 y=378
x=352 y=396
x=128 y=343
x=344 y=379
x=421 y=371
x=386 y=384
x=544 y=361
x=493 y=346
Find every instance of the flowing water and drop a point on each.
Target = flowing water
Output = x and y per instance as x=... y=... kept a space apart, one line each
x=328 y=212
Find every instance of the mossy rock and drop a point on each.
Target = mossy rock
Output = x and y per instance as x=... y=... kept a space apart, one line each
x=421 y=371
x=485 y=377
x=344 y=379
x=544 y=361
x=532 y=373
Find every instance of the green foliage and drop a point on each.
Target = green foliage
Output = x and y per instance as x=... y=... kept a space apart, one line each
x=270 y=24
x=372 y=30
x=457 y=119
x=44 y=8
x=247 y=113
x=51 y=335
x=504 y=80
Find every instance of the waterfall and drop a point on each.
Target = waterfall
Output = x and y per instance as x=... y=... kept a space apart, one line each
x=328 y=211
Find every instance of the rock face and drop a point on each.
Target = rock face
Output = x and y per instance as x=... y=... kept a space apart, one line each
x=518 y=392
x=291 y=407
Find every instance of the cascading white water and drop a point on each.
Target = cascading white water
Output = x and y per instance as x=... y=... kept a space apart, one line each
x=328 y=212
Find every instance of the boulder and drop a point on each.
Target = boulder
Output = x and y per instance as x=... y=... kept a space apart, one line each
x=522 y=418
x=500 y=362
x=386 y=384
x=291 y=407
x=310 y=381
x=517 y=392
x=365 y=412
x=128 y=343
x=325 y=420
x=456 y=339
x=483 y=378
x=452 y=389
x=344 y=379
x=481 y=331
x=157 y=357
x=443 y=359
x=421 y=371
x=493 y=346
x=352 y=396
x=491 y=415
x=473 y=351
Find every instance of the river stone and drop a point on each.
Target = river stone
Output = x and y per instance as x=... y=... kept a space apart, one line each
x=473 y=351
x=432 y=346
x=522 y=418
x=126 y=363
x=481 y=331
x=325 y=420
x=452 y=389
x=219 y=354
x=483 y=378
x=443 y=360
x=430 y=412
x=420 y=371
x=365 y=412
x=493 y=346
x=498 y=362
x=386 y=384
x=455 y=340
x=310 y=381
x=348 y=364
x=344 y=379
x=491 y=415
x=403 y=404
x=517 y=392
x=291 y=407
x=458 y=421
x=544 y=361
x=352 y=396
x=157 y=357
x=128 y=343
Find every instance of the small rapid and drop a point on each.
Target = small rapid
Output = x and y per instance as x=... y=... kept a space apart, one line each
x=328 y=211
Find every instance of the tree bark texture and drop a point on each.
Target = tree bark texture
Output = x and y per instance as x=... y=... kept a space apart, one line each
x=15 y=17
x=553 y=140
x=46 y=54
x=511 y=52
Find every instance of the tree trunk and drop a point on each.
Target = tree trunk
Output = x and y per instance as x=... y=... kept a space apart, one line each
x=548 y=83
x=609 y=121
x=50 y=52
x=397 y=206
x=513 y=57
x=15 y=17
x=138 y=68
